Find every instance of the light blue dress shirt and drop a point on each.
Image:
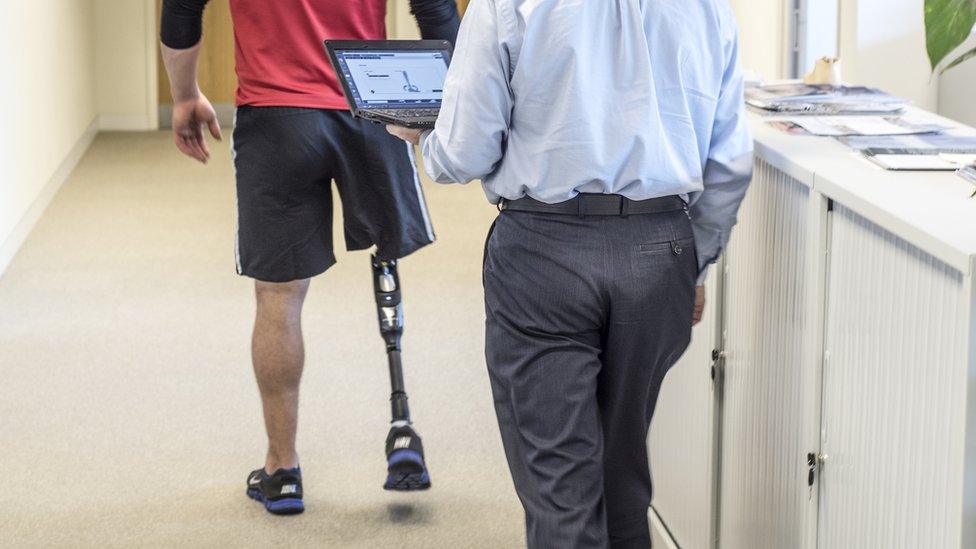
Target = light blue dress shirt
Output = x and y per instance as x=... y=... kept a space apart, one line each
x=643 y=98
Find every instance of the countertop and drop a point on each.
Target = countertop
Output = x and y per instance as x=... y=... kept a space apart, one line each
x=931 y=210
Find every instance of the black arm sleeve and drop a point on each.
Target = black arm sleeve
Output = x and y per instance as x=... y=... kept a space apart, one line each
x=182 y=23
x=438 y=19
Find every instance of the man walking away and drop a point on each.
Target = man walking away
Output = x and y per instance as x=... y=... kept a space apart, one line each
x=612 y=134
x=294 y=135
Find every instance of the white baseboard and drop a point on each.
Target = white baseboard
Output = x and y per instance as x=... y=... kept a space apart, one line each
x=660 y=537
x=125 y=122
x=16 y=238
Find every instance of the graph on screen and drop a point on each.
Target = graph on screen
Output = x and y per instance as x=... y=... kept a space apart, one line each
x=395 y=77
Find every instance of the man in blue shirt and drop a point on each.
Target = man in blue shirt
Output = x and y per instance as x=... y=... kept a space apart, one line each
x=613 y=137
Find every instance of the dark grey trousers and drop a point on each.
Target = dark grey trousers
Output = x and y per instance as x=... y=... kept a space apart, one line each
x=585 y=315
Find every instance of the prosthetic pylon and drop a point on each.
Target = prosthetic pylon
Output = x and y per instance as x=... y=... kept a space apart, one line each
x=386 y=284
x=404 y=449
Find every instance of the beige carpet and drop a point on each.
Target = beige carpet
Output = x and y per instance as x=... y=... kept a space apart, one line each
x=129 y=416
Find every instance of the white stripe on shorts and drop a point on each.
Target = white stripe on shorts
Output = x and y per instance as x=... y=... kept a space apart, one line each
x=237 y=231
x=420 y=193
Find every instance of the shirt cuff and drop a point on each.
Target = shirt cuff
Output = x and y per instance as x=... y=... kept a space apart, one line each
x=422 y=146
x=702 y=275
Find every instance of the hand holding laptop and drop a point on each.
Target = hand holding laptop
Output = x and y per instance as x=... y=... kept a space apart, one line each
x=407 y=134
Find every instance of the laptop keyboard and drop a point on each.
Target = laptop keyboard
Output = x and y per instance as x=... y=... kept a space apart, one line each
x=409 y=113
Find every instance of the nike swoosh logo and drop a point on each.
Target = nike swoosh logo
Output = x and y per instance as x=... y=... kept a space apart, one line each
x=254 y=481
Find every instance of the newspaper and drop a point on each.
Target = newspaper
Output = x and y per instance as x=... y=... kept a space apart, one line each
x=942 y=142
x=969 y=174
x=810 y=99
x=838 y=126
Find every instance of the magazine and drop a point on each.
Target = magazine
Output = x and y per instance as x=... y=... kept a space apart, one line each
x=799 y=98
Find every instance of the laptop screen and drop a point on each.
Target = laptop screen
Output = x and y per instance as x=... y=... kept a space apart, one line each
x=392 y=79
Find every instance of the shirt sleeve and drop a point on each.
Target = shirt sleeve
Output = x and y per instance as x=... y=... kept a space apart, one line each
x=182 y=23
x=468 y=139
x=437 y=19
x=728 y=169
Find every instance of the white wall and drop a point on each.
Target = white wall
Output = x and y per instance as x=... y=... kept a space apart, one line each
x=883 y=44
x=400 y=25
x=47 y=107
x=957 y=93
x=125 y=64
x=762 y=36
x=957 y=89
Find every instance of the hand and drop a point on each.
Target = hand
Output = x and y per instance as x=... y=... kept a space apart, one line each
x=189 y=118
x=699 y=305
x=407 y=134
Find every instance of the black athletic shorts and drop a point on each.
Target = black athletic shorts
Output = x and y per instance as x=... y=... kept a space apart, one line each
x=286 y=159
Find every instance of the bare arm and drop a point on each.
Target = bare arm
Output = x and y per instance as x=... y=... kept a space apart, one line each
x=181 y=66
x=180 y=47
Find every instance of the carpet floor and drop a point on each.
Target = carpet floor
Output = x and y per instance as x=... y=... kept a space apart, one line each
x=129 y=412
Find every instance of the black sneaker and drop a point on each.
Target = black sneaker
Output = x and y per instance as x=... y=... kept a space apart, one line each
x=281 y=492
x=406 y=470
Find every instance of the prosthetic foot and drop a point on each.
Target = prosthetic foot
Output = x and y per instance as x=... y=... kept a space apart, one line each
x=406 y=469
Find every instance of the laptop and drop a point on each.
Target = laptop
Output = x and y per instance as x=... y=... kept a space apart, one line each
x=392 y=81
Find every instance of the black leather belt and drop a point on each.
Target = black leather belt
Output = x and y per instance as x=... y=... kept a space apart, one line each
x=596 y=204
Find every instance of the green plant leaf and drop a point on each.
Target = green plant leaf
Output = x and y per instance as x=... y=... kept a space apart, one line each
x=964 y=57
x=948 y=23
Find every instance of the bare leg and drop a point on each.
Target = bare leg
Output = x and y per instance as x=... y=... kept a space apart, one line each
x=278 y=354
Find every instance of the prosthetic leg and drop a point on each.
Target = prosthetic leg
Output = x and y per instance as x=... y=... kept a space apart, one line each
x=406 y=468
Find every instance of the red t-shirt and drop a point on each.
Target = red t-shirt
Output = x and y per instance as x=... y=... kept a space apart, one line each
x=281 y=60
